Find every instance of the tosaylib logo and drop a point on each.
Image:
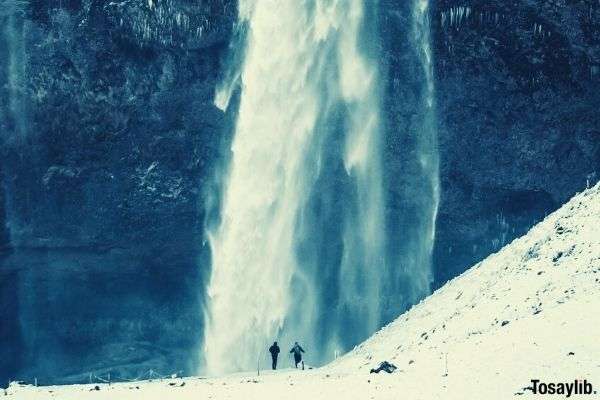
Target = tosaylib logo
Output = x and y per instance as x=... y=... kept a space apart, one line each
x=567 y=389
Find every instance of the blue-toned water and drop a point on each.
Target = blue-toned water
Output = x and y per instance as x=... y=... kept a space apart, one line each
x=302 y=251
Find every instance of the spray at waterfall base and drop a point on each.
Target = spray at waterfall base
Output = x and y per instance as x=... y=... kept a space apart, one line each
x=315 y=241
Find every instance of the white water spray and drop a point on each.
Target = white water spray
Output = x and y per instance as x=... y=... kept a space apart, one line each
x=305 y=71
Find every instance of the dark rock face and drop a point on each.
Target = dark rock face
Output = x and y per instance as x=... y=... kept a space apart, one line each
x=108 y=133
x=517 y=87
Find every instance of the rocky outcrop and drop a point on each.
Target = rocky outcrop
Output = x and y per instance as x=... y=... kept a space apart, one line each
x=517 y=83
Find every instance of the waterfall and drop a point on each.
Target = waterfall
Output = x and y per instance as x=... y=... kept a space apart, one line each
x=300 y=249
x=14 y=110
x=11 y=12
x=427 y=146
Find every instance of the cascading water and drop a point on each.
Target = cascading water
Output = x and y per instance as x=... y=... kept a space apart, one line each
x=427 y=137
x=300 y=249
x=11 y=12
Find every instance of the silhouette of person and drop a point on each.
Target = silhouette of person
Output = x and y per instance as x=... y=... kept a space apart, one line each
x=297 y=350
x=274 y=350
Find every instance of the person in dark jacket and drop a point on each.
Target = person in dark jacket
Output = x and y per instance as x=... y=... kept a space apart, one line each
x=297 y=350
x=274 y=350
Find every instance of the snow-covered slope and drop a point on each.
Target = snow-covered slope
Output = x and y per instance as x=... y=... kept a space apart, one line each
x=513 y=317
x=531 y=311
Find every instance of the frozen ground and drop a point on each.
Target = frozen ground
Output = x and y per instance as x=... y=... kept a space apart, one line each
x=530 y=311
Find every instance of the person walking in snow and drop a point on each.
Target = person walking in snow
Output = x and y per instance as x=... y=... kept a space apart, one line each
x=297 y=351
x=274 y=350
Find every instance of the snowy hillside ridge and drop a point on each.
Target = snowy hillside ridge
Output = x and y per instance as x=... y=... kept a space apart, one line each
x=527 y=312
x=541 y=271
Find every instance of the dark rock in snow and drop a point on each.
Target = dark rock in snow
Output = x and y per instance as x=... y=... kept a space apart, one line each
x=384 y=366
